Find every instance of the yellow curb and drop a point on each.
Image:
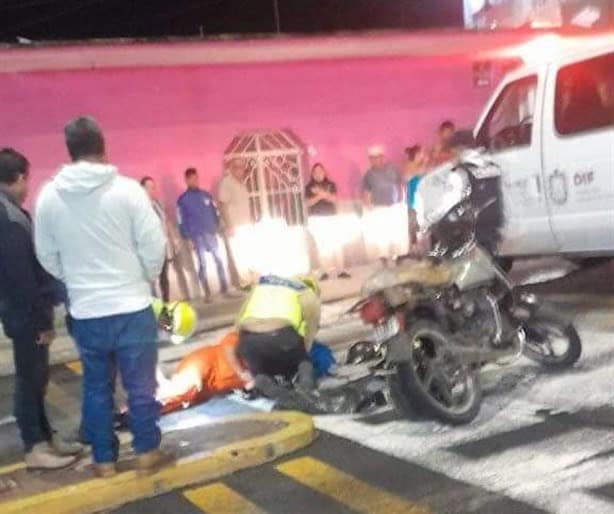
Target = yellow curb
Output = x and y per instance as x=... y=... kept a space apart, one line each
x=11 y=468
x=97 y=494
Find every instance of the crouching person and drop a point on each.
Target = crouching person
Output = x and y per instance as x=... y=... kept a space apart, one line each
x=277 y=325
x=26 y=310
x=98 y=233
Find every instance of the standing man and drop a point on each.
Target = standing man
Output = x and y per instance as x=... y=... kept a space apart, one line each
x=199 y=222
x=151 y=188
x=381 y=184
x=234 y=201
x=98 y=233
x=382 y=190
x=26 y=310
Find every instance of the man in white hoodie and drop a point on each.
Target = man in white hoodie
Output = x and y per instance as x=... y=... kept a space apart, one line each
x=97 y=232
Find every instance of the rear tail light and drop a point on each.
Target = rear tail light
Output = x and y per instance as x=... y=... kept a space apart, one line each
x=373 y=311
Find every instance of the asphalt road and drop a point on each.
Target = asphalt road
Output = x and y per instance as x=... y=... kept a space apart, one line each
x=542 y=442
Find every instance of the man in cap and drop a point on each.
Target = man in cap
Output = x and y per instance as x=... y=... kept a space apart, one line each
x=381 y=184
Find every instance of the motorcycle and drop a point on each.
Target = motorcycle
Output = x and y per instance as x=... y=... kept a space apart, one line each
x=438 y=320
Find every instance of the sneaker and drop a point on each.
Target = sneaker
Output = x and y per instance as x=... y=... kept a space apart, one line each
x=344 y=275
x=106 y=470
x=65 y=448
x=43 y=457
x=324 y=276
x=151 y=462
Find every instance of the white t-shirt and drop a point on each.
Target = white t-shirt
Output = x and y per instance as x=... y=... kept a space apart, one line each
x=235 y=197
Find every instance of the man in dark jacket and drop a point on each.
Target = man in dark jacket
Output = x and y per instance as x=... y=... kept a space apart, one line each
x=199 y=222
x=27 y=297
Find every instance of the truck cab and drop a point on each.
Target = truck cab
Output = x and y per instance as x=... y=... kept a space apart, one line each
x=550 y=127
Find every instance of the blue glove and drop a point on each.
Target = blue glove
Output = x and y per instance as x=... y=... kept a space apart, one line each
x=322 y=359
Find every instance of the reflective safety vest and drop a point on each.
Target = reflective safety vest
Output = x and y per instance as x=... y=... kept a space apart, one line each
x=276 y=298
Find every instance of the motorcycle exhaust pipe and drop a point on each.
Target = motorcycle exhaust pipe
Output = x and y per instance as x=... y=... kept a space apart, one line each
x=399 y=350
x=474 y=355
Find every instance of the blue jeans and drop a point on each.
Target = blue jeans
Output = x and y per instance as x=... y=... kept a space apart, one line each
x=207 y=243
x=128 y=342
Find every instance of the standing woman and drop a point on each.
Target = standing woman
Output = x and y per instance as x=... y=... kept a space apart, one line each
x=321 y=197
x=150 y=187
x=415 y=167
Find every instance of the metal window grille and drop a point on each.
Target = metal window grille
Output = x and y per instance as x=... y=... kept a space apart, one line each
x=274 y=161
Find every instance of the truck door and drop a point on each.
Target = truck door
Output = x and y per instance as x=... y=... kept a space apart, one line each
x=579 y=153
x=510 y=132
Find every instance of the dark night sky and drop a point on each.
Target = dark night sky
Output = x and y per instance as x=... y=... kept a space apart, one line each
x=83 y=19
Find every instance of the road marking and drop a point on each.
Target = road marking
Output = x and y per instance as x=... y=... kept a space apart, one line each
x=346 y=489
x=220 y=499
x=61 y=401
x=75 y=366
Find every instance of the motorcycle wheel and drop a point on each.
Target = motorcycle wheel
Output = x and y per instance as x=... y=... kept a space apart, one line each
x=552 y=342
x=434 y=383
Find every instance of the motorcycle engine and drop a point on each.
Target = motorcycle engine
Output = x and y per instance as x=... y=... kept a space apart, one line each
x=476 y=316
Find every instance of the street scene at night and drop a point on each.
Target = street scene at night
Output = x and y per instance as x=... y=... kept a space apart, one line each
x=278 y=256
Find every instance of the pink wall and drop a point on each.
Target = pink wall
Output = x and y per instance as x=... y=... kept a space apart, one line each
x=160 y=120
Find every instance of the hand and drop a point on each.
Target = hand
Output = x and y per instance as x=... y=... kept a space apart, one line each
x=46 y=338
x=247 y=379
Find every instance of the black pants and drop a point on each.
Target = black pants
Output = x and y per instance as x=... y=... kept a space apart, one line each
x=31 y=378
x=272 y=353
x=165 y=287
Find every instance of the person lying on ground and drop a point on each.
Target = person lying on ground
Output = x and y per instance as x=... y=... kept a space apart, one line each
x=214 y=370
x=203 y=374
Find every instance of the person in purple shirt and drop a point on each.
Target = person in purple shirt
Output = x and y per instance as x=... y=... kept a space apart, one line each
x=199 y=222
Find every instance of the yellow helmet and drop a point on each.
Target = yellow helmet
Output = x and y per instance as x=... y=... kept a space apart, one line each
x=158 y=306
x=177 y=318
x=310 y=282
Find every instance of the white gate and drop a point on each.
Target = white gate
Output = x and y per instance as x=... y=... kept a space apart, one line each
x=274 y=161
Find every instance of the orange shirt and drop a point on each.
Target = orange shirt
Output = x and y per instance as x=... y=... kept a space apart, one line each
x=216 y=372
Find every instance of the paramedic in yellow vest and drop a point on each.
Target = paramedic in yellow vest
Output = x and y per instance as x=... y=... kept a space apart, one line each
x=277 y=325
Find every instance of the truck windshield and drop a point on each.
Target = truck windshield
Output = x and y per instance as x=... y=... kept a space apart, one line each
x=510 y=121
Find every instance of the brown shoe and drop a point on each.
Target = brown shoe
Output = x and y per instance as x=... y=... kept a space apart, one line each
x=106 y=470
x=151 y=462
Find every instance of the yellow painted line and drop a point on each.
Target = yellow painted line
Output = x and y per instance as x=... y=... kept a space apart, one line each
x=92 y=495
x=60 y=400
x=221 y=499
x=346 y=489
x=11 y=468
x=75 y=366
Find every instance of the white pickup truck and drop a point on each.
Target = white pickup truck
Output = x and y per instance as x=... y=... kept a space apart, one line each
x=550 y=127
